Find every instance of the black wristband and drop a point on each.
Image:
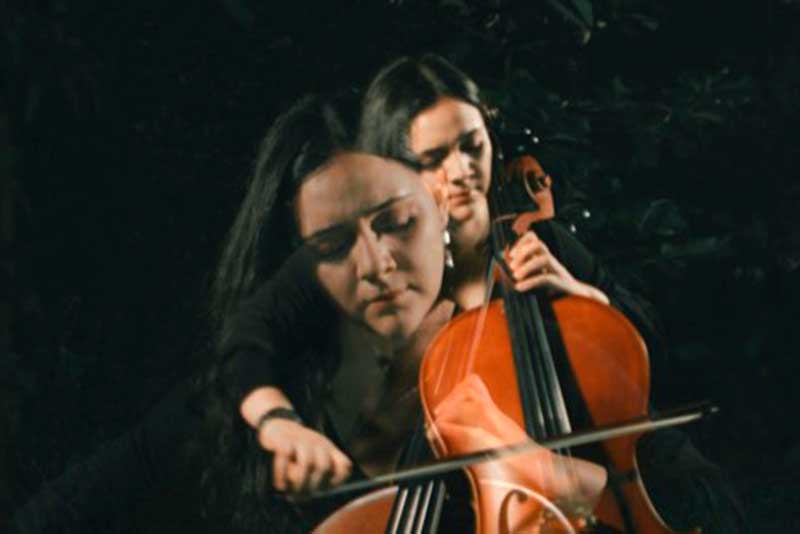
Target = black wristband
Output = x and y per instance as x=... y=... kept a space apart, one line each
x=278 y=413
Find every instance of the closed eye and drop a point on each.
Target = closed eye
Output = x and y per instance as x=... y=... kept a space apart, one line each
x=433 y=159
x=472 y=148
x=332 y=246
x=387 y=227
x=397 y=218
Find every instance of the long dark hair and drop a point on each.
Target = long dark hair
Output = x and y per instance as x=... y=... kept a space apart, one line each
x=298 y=142
x=236 y=480
x=404 y=88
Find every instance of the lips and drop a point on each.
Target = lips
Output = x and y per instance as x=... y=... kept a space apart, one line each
x=387 y=301
x=388 y=296
x=460 y=197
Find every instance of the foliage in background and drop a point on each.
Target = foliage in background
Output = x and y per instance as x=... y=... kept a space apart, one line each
x=667 y=125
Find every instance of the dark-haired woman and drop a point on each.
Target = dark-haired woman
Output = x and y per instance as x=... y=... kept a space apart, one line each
x=395 y=122
x=427 y=110
x=363 y=226
x=430 y=113
x=107 y=488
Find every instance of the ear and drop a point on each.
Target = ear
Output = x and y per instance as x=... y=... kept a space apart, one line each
x=436 y=184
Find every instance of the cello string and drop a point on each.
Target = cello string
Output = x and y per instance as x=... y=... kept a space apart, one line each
x=419 y=523
x=399 y=507
x=525 y=334
x=534 y=403
x=537 y=352
x=532 y=352
x=411 y=511
x=548 y=397
x=554 y=404
x=406 y=519
x=560 y=418
x=400 y=514
x=561 y=422
x=430 y=515
x=537 y=407
x=529 y=348
x=438 y=504
x=394 y=521
x=529 y=396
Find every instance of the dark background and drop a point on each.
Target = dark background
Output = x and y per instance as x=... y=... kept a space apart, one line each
x=126 y=132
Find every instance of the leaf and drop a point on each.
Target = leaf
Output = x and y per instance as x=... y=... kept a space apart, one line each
x=584 y=8
x=662 y=218
x=567 y=13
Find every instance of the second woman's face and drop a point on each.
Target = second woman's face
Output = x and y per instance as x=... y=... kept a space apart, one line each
x=451 y=135
x=376 y=234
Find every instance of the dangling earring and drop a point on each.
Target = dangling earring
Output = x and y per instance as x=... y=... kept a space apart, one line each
x=448 y=254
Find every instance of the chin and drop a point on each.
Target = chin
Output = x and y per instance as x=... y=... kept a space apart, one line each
x=462 y=213
x=394 y=330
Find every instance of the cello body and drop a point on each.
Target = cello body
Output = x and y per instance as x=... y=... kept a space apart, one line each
x=609 y=361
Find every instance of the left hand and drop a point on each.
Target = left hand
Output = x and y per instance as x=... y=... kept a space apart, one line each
x=533 y=266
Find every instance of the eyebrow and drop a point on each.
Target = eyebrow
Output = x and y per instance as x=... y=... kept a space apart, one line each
x=434 y=151
x=319 y=234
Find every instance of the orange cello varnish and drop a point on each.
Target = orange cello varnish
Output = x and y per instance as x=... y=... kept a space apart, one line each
x=457 y=338
x=475 y=336
x=611 y=366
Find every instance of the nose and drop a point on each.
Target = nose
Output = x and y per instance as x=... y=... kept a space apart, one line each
x=457 y=166
x=373 y=259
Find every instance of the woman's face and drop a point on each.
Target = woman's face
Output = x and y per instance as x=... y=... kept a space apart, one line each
x=376 y=234
x=451 y=135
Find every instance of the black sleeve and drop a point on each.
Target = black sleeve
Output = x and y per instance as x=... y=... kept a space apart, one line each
x=584 y=266
x=278 y=320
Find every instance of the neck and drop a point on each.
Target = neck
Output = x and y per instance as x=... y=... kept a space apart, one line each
x=357 y=341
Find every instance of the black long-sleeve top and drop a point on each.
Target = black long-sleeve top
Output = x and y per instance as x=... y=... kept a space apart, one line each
x=273 y=326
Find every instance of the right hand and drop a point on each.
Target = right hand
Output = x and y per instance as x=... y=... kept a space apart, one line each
x=304 y=460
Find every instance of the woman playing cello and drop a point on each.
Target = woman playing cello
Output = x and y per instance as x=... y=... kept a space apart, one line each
x=376 y=244
x=429 y=110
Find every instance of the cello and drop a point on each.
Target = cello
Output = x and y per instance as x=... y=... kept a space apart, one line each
x=603 y=367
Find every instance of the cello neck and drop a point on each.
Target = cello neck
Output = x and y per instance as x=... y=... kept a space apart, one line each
x=543 y=401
